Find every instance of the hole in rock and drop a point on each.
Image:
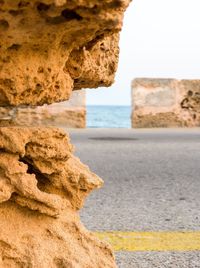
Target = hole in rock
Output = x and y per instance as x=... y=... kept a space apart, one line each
x=23 y=4
x=42 y=180
x=15 y=12
x=184 y=103
x=190 y=93
x=30 y=169
x=40 y=69
x=66 y=15
x=15 y=47
x=116 y=4
x=70 y=15
x=93 y=42
x=38 y=87
x=13 y=196
x=42 y=7
x=4 y=25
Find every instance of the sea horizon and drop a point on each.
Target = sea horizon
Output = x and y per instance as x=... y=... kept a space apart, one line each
x=108 y=116
x=108 y=105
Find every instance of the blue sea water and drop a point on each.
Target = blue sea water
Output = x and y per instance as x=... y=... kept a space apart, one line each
x=108 y=116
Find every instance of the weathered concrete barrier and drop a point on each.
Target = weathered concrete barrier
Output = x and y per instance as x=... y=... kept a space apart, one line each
x=165 y=103
x=70 y=114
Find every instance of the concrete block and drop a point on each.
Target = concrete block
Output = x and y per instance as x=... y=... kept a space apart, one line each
x=165 y=103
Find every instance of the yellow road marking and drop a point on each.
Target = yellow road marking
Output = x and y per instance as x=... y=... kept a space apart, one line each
x=151 y=241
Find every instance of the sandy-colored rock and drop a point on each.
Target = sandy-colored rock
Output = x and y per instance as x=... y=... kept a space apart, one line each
x=42 y=185
x=165 y=103
x=50 y=47
x=68 y=114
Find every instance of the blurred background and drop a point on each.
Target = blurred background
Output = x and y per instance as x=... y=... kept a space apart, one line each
x=160 y=39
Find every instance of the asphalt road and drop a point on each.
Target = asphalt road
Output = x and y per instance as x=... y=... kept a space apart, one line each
x=152 y=183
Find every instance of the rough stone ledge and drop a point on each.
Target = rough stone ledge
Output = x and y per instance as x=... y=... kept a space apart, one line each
x=38 y=170
x=49 y=48
x=42 y=185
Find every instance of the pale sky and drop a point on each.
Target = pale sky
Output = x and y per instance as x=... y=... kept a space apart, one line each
x=160 y=38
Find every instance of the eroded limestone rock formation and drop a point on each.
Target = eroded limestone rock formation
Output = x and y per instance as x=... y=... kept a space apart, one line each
x=42 y=185
x=47 y=49
x=50 y=47
x=165 y=103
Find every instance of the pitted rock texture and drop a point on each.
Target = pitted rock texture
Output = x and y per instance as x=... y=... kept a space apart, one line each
x=165 y=103
x=29 y=239
x=50 y=47
x=191 y=102
x=42 y=185
x=39 y=171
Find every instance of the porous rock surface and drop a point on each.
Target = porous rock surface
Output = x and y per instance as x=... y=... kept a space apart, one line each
x=50 y=47
x=165 y=103
x=42 y=185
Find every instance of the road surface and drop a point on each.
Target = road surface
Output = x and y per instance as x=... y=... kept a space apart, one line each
x=152 y=184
